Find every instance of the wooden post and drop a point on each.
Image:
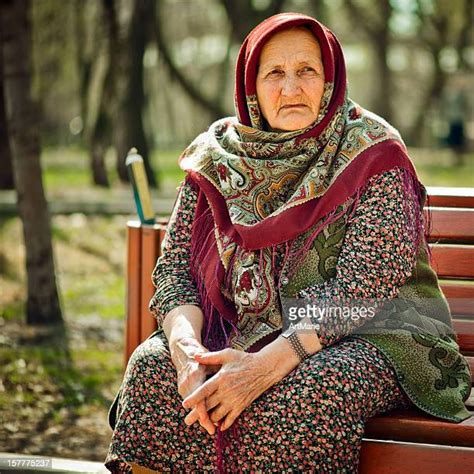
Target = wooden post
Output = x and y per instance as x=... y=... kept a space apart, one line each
x=150 y=250
x=134 y=262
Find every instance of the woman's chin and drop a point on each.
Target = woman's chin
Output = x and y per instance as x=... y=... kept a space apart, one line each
x=292 y=122
x=292 y=126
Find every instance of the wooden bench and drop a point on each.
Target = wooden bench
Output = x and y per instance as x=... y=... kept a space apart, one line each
x=403 y=441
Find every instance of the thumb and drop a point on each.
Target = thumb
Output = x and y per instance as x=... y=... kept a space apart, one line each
x=210 y=358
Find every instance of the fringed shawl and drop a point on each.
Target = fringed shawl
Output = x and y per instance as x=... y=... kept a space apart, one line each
x=258 y=189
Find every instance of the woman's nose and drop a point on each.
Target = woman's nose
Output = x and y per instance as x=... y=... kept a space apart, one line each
x=291 y=85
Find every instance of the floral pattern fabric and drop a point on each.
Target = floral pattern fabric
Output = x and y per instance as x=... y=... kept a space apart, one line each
x=311 y=421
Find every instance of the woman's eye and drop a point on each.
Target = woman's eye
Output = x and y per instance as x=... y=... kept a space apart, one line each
x=275 y=73
x=308 y=69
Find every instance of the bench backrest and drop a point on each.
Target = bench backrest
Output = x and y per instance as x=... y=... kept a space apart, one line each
x=451 y=240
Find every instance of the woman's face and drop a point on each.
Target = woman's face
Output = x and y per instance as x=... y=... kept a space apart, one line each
x=290 y=80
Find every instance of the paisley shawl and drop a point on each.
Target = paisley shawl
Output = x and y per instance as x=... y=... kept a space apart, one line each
x=259 y=189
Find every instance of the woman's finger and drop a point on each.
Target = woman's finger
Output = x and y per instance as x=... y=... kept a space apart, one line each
x=218 y=413
x=204 y=419
x=212 y=401
x=191 y=417
x=229 y=420
x=200 y=413
x=201 y=393
x=215 y=358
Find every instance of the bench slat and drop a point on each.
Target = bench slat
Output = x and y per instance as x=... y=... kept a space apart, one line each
x=150 y=251
x=460 y=296
x=440 y=196
x=465 y=332
x=470 y=361
x=413 y=425
x=453 y=261
x=451 y=225
x=392 y=457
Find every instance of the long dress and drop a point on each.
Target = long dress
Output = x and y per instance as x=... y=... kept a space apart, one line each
x=313 y=419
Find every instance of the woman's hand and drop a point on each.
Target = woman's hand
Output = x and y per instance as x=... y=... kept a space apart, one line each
x=191 y=374
x=242 y=378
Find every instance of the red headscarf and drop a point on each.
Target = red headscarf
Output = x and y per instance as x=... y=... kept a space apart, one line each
x=249 y=56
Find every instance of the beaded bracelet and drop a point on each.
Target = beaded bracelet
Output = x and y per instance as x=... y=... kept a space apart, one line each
x=296 y=345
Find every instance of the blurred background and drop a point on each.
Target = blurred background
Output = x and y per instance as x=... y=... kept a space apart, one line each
x=82 y=81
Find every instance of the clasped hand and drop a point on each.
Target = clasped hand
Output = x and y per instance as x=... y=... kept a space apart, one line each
x=240 y=378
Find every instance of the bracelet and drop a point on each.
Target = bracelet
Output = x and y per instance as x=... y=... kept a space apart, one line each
x=296 y=345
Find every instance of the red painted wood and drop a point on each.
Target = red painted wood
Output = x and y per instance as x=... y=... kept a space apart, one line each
x=460 y=295
x=470 y=361
x=392 y=457
x=150 y=250
x=414 y=425
x=453 y=261
x=453 y=225
x=133 y=288
x=450 y=197
x=464 y=329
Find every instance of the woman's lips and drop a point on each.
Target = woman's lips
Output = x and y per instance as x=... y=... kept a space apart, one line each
x=292 y=106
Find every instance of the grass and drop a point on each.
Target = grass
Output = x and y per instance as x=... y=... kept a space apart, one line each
x=53 y=381
x=69 y=168
x=437 y=168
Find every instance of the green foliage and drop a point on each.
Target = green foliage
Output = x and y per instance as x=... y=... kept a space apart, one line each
x=67 y=168
x=437 y=168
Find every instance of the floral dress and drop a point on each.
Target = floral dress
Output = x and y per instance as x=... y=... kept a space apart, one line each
x=312 y=420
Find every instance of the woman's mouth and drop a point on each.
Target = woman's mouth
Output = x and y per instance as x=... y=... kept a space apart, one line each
x=292 y=106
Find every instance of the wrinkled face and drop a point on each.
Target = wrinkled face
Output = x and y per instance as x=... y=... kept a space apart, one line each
x=290 y=80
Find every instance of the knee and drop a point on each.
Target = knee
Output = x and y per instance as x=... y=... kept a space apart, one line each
x=149 y=360
x=334 y=389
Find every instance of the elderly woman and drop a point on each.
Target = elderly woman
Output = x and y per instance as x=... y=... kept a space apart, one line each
x=304 y=201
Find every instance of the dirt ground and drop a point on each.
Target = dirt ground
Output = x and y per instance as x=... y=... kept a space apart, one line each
x=50 y=414
x=56 y=384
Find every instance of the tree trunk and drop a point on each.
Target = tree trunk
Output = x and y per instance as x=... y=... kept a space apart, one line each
x=382 y=44
x=83 y=61
x=6 y=173
x=383 y=78
x=42 y=302
x=435 y=91
x=244 y=16
x=100 y=137
x=129 y=130
x=376 y=27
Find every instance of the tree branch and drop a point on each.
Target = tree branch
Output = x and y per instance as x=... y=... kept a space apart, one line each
x=188 y=86
x=361 y=19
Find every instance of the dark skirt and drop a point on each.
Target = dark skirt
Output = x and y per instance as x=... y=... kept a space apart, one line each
x=312 y=420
